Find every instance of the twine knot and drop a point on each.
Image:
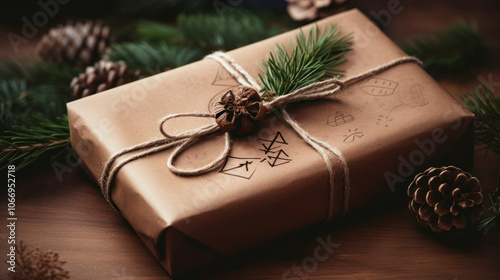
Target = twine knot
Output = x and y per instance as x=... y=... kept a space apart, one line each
x=239 y=112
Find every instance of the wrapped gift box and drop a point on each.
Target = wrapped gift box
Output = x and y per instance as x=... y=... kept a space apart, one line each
x=388 y=126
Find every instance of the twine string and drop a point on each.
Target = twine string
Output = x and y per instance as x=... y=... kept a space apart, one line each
x=183 y=140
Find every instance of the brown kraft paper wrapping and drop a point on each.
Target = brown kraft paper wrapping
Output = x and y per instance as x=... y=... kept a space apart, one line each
x=387 y=126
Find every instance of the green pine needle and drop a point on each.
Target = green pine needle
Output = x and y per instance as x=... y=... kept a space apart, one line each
x=486 y=224
x=151 y=31
x=18 y=102
x=223 y=32
x=486 y=107
x=35 y=139
x=35 y=71
x=456 y=49
x=313 y=58
x=151 y=58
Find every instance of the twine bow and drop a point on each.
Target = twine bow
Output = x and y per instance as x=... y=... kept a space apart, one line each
x=185 y=139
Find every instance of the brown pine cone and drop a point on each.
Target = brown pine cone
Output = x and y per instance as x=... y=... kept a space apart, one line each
x=446 y=198
x=79 y=44
x=102 y=76
x=496 y=195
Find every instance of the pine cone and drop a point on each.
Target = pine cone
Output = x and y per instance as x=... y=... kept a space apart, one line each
x=102 y=76
x=79 y=44
x=446 y=198
x=496 y=195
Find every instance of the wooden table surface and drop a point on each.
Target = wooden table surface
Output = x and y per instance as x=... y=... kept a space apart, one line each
x=381 y=241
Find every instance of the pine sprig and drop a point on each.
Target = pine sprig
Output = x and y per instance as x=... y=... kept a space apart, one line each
x=34 y=71
x=486 y=224
x=313 y=58
x=151 y=58
x=223 y=32
x=18 y=102
x=486 y=107
x=28 y=142
x=153 y=32
x=457 y=49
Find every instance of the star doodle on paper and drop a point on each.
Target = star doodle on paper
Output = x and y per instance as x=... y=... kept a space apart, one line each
x=276 y=156
x=384 y=120
x=279 y=159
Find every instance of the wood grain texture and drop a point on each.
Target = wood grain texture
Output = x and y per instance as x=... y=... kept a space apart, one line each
x=380 y=241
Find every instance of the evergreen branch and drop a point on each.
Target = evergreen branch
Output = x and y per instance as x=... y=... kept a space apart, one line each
x=18 y=102
x=143 y=56
x=151 y=31
x=486 y=107
x=38 y=138
x=35 y=71
x=486 y=224
x=312 y=59
x=456 y=49
x=223 y=32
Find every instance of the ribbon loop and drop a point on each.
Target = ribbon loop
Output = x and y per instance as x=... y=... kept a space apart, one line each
x=197 y=132
x=201 y=170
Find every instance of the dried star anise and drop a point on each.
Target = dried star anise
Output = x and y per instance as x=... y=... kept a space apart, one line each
x=239 y=112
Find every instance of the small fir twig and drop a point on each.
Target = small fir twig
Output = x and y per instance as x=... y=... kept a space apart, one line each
x=312 y=58
x=37 y=264
x=486 y=107
x=35 y=71
x=153 y=32
x=459 y=48
x=151 y=58
x=33 y=140
x=18 y=102
x=486 y=224
x=223 y=32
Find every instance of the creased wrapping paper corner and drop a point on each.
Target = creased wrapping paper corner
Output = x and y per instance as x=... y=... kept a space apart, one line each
x=387 y=127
